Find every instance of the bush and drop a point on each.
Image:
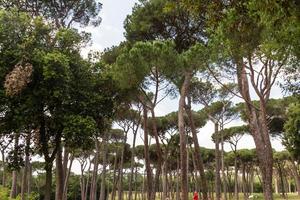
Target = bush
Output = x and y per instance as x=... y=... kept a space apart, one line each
x=4 y=193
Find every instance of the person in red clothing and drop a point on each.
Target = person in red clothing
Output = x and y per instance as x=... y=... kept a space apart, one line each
x=196 y=197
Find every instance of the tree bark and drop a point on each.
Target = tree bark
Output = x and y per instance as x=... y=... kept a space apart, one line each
x=59 y=175
x=29 y=178
x=296 y=176
x=48 y=188
x=93 y=189
x=236 y=192
x=132 y=163
x=146 y=154
x=258 y=127
x=120 y=181
x=66 y=179
x=104 y=161
x=3 y=167
x=13 y=192
x=198 y=157
x=181 y=128
x=222 y=162
x=218 y=164
x=24 y=187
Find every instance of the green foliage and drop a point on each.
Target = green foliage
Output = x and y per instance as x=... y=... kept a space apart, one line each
x=135 y=66
x=63 y=13
x=164 y=19
x=292 y=130
x=4 y=193
x=79 y=131
x=228 y=133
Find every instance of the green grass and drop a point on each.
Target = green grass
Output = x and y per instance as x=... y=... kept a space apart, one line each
x=258 y=196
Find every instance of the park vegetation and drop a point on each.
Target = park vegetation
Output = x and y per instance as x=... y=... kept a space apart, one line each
x=219 y=59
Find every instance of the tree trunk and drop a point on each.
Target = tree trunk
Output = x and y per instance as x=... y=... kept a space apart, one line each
x=48 y=184
x=177 y=180
x=24 y=187
x=258 y=128
x=87 y=181
x=217 y=172
x=103 y=175
x=279 y=167
x=66 y=179
x=198 y=157
x=181 y=128
x=3 y=167
x=65 y=162
x=236 y=192
x=93 y=189
x=132 y=163
x=146 y=153
x=222 y=163
x=120 y=181
x=158 y=152
x=13 y=192
x=82 y=180
x=296 y=176
x=29 y=178
x=59 y=175
x=164 y=179
x=244 y=184
x=113 y=193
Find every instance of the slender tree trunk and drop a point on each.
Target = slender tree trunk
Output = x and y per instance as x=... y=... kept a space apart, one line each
x=258 y=128
x=164 y=179
x=82 y=181
x=66 y=179
x=103 y=175
x=177 y=181
x=87 y=181
x=120 y=181
x=65 y=162
x=3 y=167
x=236 y=192
x=244 y=184
x=29 y=178
x=48 y=185
x=113 y=193
x=158 y=152
x=279 y=167
x=146 y=153
x=132 y=163
x=59 y=175
x=26 y=167
x=93 y=189
x=198 y=157
x=217 y=173
x=181 y=128
x=296 y=176
x=13 y=192
x=222 y=163
x=276 y=185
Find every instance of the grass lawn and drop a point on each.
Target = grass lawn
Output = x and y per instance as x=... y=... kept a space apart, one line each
x=258 y=196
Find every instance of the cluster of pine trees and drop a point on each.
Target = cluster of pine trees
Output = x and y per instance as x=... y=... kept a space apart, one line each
x=58 y=108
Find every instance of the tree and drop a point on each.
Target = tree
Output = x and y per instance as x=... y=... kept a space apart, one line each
x=147 y=62
x=62 y=13
x=166 y=19
x=54 y=87
x=247 y=33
